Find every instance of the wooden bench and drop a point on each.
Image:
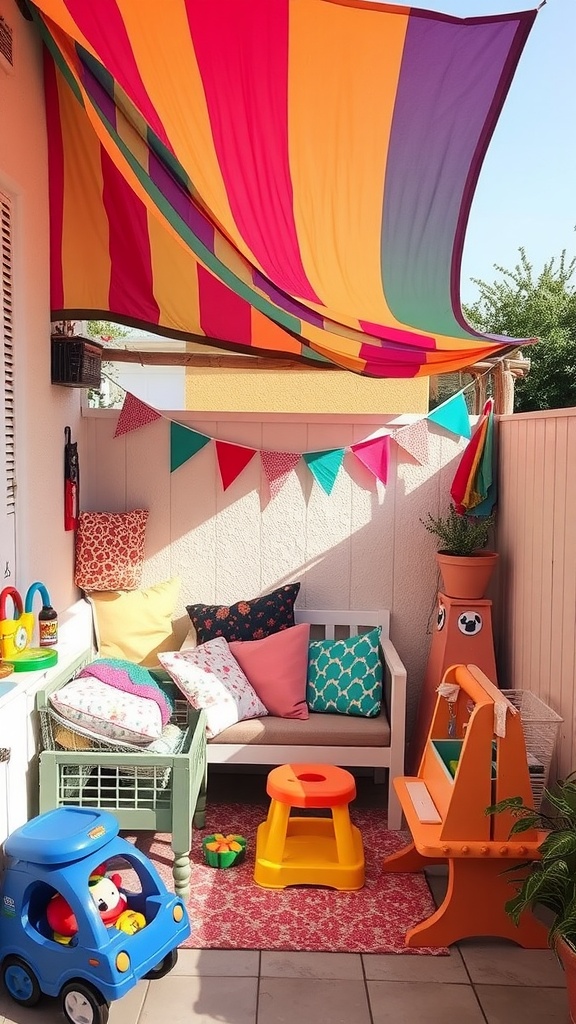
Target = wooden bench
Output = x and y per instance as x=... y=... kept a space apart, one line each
x=345 y=740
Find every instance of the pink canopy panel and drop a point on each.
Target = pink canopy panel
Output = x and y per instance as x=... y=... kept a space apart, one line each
x=288 y=177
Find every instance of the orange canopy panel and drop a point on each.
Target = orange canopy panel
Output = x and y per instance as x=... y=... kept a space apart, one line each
x=288 y=177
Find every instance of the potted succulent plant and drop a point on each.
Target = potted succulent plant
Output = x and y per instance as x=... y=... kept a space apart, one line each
x=551 y=882
x=465 y=566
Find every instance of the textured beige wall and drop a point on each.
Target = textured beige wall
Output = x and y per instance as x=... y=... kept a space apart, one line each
x=302 y=391
x=43 y=550
x=360 y=547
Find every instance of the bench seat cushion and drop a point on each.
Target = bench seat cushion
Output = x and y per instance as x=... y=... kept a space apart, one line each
x=319 y=729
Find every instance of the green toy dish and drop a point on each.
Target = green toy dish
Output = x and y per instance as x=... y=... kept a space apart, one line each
x=222 y=851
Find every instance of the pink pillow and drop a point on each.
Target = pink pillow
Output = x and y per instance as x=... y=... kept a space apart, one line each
x=277 y=667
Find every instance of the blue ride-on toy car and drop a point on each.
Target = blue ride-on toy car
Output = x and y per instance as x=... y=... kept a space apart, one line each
x=67 y=929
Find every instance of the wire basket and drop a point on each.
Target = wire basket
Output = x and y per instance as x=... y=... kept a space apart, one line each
x=540 y=725
x=59 y=734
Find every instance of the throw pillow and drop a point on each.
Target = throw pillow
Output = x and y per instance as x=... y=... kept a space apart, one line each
x=277 y=668
x=110 y=550
x=136 y=625
x=211 y=678
x=345 y=676
x=246 y=620
x=107 y=711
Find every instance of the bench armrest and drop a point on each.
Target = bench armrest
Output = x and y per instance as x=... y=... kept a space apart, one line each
x=396 y=704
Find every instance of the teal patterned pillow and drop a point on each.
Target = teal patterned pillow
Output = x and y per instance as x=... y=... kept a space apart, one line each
x=345 y=676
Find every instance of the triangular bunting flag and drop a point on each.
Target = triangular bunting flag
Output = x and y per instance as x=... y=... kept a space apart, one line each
x=184 y=443
x=232 y=459
x=324 y=466
x=134 y=414
x=414 y=440
x=375 y=455
x=277 y=466
x=453 y=416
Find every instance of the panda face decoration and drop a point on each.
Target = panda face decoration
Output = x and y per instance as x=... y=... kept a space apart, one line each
x=470 y=623
x=441 y=617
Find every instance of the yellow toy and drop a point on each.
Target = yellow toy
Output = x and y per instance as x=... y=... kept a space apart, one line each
x=15 y=633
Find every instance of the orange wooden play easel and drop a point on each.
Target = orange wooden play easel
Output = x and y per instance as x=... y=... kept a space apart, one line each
x=446 y=816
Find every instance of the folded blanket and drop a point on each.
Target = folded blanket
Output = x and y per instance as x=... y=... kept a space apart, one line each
x=125 y=675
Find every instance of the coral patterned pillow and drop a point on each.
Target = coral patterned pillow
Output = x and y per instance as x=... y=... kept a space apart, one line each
x=110 y=550
x=211 y=678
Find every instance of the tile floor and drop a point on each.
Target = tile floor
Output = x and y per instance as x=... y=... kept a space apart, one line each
x=481 y=982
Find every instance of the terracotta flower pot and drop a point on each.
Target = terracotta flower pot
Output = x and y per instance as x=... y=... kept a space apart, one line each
x=466 y=577
x=568 y=960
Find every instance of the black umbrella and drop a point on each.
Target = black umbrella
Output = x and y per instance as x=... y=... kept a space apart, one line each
x=71 y=481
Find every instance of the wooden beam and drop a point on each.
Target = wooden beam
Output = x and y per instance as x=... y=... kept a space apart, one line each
x=219 y=362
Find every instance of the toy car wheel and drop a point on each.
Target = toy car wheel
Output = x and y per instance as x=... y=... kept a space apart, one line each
x=164 y=967
x=82 y=1004
x=20 y=981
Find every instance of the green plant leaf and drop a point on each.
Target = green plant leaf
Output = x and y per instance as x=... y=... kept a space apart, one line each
x=524 y=824
x=510 y=803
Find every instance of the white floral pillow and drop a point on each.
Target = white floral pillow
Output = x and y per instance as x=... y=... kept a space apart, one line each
x=210 y=678
x=107 y=711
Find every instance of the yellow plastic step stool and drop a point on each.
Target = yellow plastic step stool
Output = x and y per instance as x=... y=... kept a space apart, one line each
x=309 y=850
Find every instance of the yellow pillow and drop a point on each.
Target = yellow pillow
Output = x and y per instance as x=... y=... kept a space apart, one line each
x=135 y=624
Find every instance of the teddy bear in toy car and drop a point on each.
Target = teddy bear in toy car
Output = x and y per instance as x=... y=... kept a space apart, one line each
x=109 y=900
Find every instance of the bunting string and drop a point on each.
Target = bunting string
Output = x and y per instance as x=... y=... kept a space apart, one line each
x=324 y=465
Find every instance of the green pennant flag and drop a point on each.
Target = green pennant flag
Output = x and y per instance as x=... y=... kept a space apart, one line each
x=184 y=443
x=324 y=466
x=453 y=416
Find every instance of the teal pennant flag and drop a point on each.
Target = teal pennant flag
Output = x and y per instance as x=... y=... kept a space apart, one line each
x=453 y=416
x=184 y=443
x=324 y=466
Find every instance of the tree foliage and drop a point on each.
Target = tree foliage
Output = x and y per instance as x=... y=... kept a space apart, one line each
x=111 y=394
x=522 y=304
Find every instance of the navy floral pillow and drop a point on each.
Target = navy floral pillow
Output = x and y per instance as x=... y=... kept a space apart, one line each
x=246 y=620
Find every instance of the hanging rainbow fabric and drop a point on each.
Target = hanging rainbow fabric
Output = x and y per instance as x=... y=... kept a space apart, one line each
x=288 y=177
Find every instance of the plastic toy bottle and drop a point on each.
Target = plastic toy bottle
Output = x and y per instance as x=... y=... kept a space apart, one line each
x=47 y=626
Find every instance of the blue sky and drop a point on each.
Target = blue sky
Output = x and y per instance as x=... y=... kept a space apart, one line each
x=526 y=194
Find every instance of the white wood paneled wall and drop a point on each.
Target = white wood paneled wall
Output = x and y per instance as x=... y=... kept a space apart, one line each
x=537 y=544
x=361 y=547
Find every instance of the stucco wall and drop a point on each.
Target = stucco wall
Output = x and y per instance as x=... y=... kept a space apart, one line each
x=360 y=547
x=43 y=550
x=328 y=391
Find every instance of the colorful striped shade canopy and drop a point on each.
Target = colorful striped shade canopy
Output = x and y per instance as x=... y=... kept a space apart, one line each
x=286 y=177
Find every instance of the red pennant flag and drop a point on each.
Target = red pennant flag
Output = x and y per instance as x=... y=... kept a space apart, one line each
x=277 y=466
x=414 y=440
x=134 y=414
x=232 y=459
x=375 y=455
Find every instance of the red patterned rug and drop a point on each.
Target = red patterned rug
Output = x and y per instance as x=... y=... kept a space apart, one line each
x=229 y=911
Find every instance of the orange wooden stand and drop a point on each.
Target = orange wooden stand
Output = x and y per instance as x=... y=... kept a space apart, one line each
x=476 y=847
x=462 y=636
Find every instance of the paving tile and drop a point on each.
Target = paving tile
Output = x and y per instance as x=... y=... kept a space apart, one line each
x=206 y=1000
x=309 y=1000
x=343 y=966
x=510 y=1004
x=426 y=1003
x=47 y=1011
x=127 y=1010
x=502 y=963
x=390 y=967
x=219 y=963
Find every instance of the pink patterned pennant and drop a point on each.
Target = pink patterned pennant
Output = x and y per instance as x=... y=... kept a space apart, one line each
x=414 y=440
x=134 y=414
x=232 y=459
x=277 y=466
x=375 y=455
